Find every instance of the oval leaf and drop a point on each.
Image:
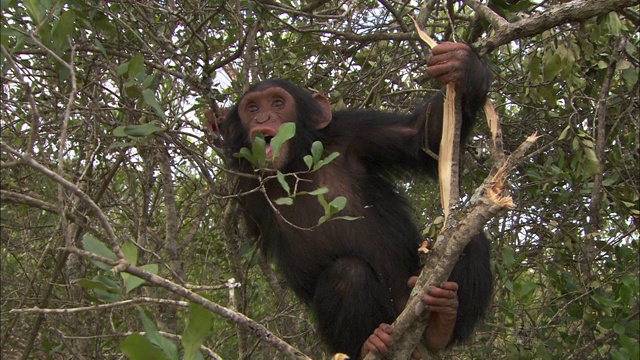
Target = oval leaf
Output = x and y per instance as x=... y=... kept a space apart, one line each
x=284 y=201
x=137 y=131
x=286 y=131
x=283 y=182
x=150 y=99
x=199 y=326
x=316 y=151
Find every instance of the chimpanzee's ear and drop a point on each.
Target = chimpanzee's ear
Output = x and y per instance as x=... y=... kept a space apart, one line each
x=325 y=119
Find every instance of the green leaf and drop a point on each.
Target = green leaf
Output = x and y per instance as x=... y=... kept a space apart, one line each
x=308 y=160
x=103 y=51
x=588 y=143
x=199 y=326
x=323 y=203
x=6 y=33
x=108 y=283
x=630 y=345
x=137 y=131
x=167 y=346
x=63 y=29
x=247 y=155
x=93 y=245
x=564 y=133
x=552 y=67
x=590 y=154
x=148 y=81
x=122 y=69
x=284 y=201
x=534 y=68
x=137 y=347
x=606 y=302
x=348 y=218
x=614 y=24
x=575 y=143
x=337 y=204
x=326 y=160
x=316 y=151
x=547 y=93
x=286 y=131
x=132 y=89
x=283 y=182
x=534 y=175
x=90 y=284
x=630 y=76
x=136 y=66
x=131 y=282
x=259 y=151
x=508 y=285
x=4 y=4
x=319 y=191
x=591 y=165
x=524 y=290
x=150 y=99
x=36 y=9
x=130 y=252
x=109 y=292
x=508 y=256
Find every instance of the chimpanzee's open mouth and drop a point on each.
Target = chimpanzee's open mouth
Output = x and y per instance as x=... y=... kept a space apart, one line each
x=265 y=133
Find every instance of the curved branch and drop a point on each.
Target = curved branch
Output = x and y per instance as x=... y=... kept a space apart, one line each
x=577 y=10
x=257 y=329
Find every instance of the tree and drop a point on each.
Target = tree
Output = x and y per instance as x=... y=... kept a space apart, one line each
x=104 y=157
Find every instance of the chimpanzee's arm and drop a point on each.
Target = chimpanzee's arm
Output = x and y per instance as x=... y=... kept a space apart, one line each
x=458 y=63
x=382 y=139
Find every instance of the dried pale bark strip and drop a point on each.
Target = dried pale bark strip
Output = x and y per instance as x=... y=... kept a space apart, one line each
x=497 y=150
x=423 y=35
x=448 y=154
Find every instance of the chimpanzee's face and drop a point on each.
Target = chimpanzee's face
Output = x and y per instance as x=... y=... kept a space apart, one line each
x=262 y=112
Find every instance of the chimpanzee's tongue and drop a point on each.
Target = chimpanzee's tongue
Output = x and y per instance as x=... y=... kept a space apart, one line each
x=268 y=150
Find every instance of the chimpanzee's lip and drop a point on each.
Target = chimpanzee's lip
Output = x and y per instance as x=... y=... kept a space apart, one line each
x=267 y=133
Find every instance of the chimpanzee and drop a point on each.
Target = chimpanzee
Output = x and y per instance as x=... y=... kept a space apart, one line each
x=355 y=275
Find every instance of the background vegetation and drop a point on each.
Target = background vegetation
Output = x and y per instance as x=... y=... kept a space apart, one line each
x=102 y=144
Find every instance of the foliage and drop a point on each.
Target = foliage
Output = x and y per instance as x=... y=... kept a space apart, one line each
x=110 y=96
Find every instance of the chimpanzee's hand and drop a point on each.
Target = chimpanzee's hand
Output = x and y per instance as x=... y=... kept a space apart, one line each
x=442 y=301
x=380 y=341
x=451 y=62
x=212 y=124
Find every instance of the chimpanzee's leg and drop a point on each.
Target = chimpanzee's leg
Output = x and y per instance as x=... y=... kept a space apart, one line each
x=350 y=302
x=475 y=285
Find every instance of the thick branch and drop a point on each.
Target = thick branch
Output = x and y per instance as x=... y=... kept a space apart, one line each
x=485 y=11
x=601 y=140
x=439 y=264
x=488 y=200
x=577 y=10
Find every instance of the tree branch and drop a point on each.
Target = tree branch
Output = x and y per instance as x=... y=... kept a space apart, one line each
x=577 y=10
x=257 y=329
x=488 y=200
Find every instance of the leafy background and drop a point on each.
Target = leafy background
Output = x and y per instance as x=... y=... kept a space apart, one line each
x=104 y=100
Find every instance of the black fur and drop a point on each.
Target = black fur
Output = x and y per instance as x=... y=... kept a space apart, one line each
x=353 y=274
